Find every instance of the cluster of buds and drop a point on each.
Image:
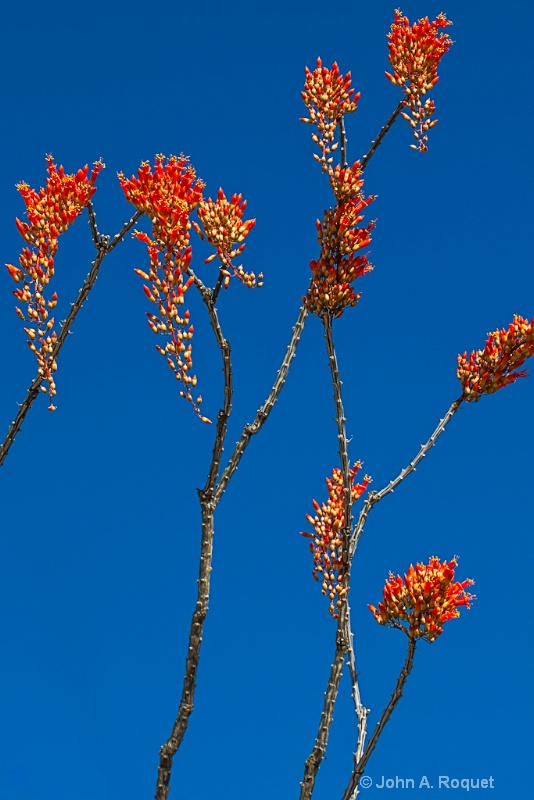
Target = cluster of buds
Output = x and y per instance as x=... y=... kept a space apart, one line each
x=340 y=239
x=168 y=195
x=428 y=597
x=415 y=52
x=327 y=541
x=223 y=227
x=486 y=371
x=328 y=96
x=50 y=212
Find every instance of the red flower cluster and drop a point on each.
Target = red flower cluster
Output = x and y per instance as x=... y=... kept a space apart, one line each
x=424 y=601
x=327 y=539
x=340 y=239
x=486 y=371
x=168 y=195
x=224 y=229
x=50 y=212
x=328 y=96
x=414 y=54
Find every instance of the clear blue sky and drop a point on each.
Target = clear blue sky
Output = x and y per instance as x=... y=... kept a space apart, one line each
x=100 y=522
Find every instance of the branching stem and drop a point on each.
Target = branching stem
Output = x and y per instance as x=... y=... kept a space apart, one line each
x=253 y=428
x=209 y=499
x=104 y=246
x=361 y=763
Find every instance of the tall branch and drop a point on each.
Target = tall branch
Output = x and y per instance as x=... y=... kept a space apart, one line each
x=374 y=497
x=343 y=635
x=104 y=246
x=341 y=436
x=360 y=764
x=169 y=749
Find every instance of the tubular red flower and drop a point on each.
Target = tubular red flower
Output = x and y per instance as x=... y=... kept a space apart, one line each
x=428 y=597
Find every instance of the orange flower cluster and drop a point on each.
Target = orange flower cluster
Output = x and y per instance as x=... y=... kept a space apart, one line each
x=414 y=54
x=168 y=195
x=327 y=539
x=486 y=371
x=428 y=597
x=328 y=96
x=50 y=212
x=224 y=229
x=340 y=239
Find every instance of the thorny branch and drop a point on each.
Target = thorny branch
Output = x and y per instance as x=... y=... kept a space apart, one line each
x=341 y=437
x=361 y=711
x=104 y=246
x=374 y=497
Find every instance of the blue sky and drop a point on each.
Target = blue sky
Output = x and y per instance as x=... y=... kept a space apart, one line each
x=100 y=521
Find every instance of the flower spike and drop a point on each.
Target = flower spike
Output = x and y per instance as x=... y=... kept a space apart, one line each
x=340 y=262
x=327 y=539
x=415 y=52
x=224 y=229
x=168 y=194
x=50 y=211
x=328 y=96
x=498 y=365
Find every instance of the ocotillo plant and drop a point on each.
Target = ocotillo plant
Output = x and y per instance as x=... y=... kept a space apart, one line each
x=172 y=203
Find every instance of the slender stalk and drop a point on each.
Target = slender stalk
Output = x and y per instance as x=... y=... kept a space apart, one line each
x=343 y=142
x=313 y=762
x=361 y=763
x=253 y=428
x=104 y=246
x=380 y=138
x=374 y=497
